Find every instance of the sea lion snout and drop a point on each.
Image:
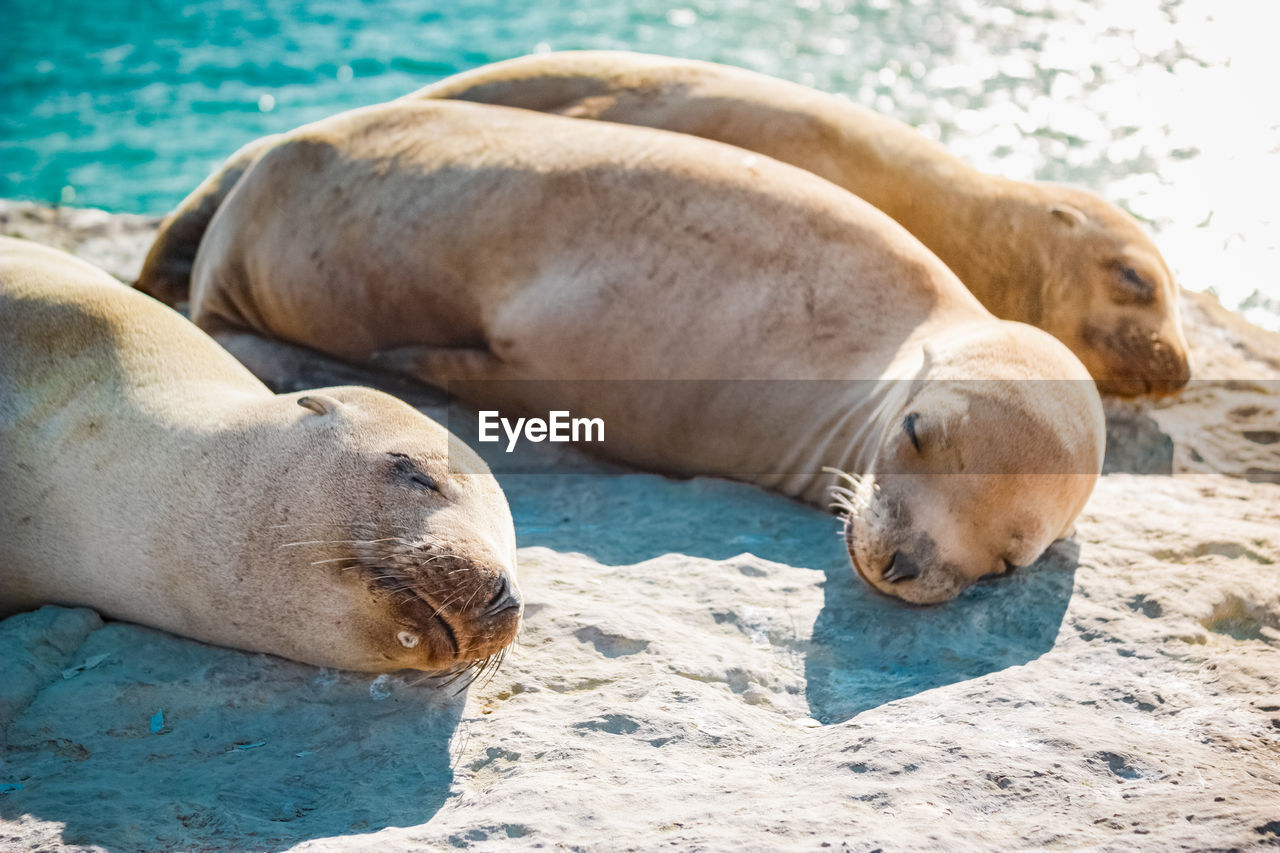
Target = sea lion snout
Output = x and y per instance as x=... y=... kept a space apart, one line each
x=506 y=598
x=918 y=575
x=901 y=568
x=914 y=583
x=890 y=554
x=486 y=628
x=1139 y=363
x=459 y=614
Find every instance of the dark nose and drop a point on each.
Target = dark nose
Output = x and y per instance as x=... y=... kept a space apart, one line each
x=506 y=598
x=901 y=568
x=1176 y=375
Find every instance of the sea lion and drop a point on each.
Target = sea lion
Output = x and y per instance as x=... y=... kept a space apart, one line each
x=456 y=242
x=145 y=473
x=1049 y=255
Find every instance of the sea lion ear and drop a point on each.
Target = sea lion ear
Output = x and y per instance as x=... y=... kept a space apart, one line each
x=1071 y=215
x=927 y=363
x=930 y=358
x=321 y=404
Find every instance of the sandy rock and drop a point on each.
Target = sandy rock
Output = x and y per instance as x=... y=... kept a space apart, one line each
x=700 y=670
x=116 y=242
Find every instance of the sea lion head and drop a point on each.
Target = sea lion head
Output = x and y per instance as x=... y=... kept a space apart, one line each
x=973 y=477
x=401 y=528
x=1109 y=296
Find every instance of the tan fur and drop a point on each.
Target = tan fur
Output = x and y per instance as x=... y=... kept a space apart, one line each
x=1039 y=253
x=145 y=473
x=462 y=242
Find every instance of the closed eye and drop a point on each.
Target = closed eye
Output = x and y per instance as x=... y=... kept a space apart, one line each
x=407 y=471
x=425 y=481
x=909 y=427
x=1134 y=287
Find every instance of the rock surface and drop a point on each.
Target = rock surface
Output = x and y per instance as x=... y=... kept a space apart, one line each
x=700 y=670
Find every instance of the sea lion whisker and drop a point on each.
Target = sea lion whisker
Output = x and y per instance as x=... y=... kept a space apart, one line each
x=457 y=571
x=313 y=524
x=843 y=503
x=449 y=676
x=452 y=671
x=482 y=671
x=443 y=555
x=854 y=479
x=461 y=672
x=479 y=589
x=385 y=578
x=450 y=600
x=498 y=661
x=333 y=542
x=494 y=666
x=439 y=609
x=375 y=525
x=463 y=686
x=345 y=522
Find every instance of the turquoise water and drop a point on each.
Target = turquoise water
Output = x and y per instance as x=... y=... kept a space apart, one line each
x=1166 y=108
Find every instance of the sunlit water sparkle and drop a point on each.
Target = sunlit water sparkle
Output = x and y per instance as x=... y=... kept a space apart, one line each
x=1168 y=109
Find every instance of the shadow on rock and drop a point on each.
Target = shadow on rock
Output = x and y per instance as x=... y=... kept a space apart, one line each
x=868 y=650
x=159 y=743
x=629 y=518
x=1136 y=444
